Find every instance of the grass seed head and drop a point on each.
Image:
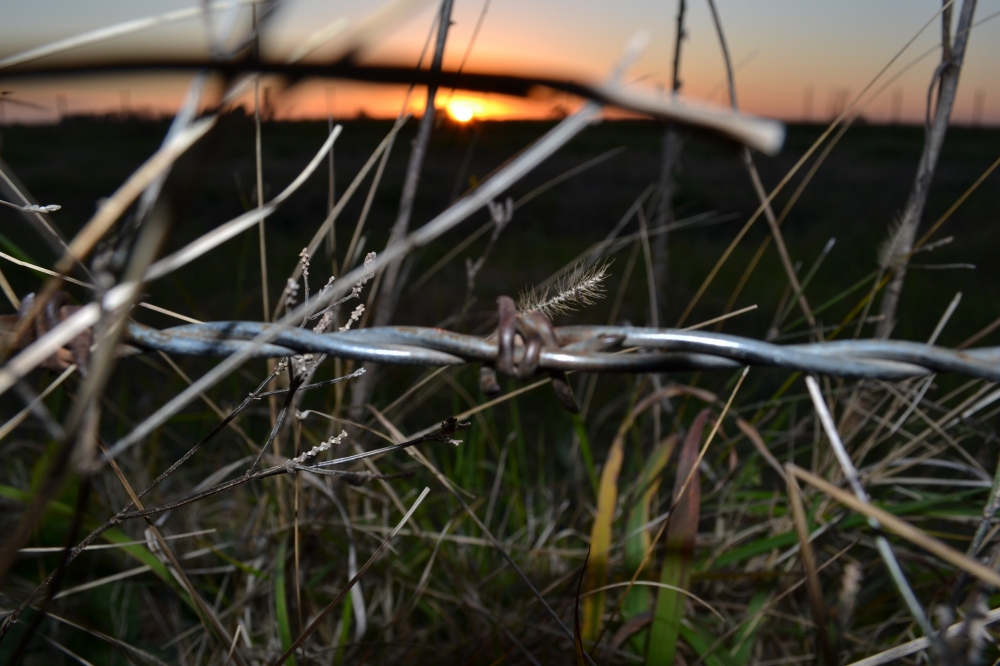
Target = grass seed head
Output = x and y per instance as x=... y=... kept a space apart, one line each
x=320 y=448
x=890 y=249
x=584 y=286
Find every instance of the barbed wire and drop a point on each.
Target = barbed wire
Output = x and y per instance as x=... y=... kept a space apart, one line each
x=625 y=349
x=525 y=344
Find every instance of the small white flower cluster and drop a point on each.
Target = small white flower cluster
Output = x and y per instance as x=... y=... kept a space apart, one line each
x=304 y=261
x=283 y=364
x=303 y=365
x=326 y=315
x=329 y=283
x=31 y=208
x=35 y=208
x=355 y=316
x=356 y=289
x=291 y=293
x=324 y=322
x=501 y=214
x=316 y=450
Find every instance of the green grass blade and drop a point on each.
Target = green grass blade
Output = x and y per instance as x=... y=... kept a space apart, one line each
x=701 y=642
x=345 y=630
x=786 y=539
x=745 y=638
x=14 y=250
x=637 y=541
x=585 y=452
x=833 y=301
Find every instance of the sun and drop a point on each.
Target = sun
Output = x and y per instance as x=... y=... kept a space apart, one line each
x=461 y=111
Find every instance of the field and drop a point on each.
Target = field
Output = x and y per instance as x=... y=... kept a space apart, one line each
x=268 y=556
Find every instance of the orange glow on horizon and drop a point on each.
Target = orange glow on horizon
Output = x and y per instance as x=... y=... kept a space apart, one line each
x=464 y=108
x=314 y=100
x=461 y=111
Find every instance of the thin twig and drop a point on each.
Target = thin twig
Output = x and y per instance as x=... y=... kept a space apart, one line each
x=951 y=67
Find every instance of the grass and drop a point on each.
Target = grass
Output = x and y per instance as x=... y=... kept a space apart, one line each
x=713 y=554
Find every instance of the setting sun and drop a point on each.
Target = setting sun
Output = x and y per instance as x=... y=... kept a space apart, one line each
x=461 y=111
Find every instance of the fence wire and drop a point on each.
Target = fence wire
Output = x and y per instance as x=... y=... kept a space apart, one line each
x=579 y=348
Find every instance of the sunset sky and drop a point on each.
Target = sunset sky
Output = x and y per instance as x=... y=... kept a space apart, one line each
x=796 y=59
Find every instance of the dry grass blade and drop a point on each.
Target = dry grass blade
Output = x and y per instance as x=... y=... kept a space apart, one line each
x=8 y=291
x=205 y=612
x=318 y=38
x=16 y=420
x=347 y=588
x=331 y=217
x=228 y=230
x=43 y=348
x=232 y=648
x=849 y=471
x=919 y=644
x=757 y=133
x=758 y=186
x=44 y=271
x=112 y=31
x=109 y=546
x=134 y=653
x=902 y=528
x=83 y=243
x=820 y=618
x=716 y=320
x=352 y=247
x=259 y=163
x=958 y=202
x=117 y=203
x=65 y=650
x=651 y=583
x=795 y=169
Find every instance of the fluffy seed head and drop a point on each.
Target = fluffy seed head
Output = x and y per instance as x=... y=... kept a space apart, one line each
x=582 y=287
